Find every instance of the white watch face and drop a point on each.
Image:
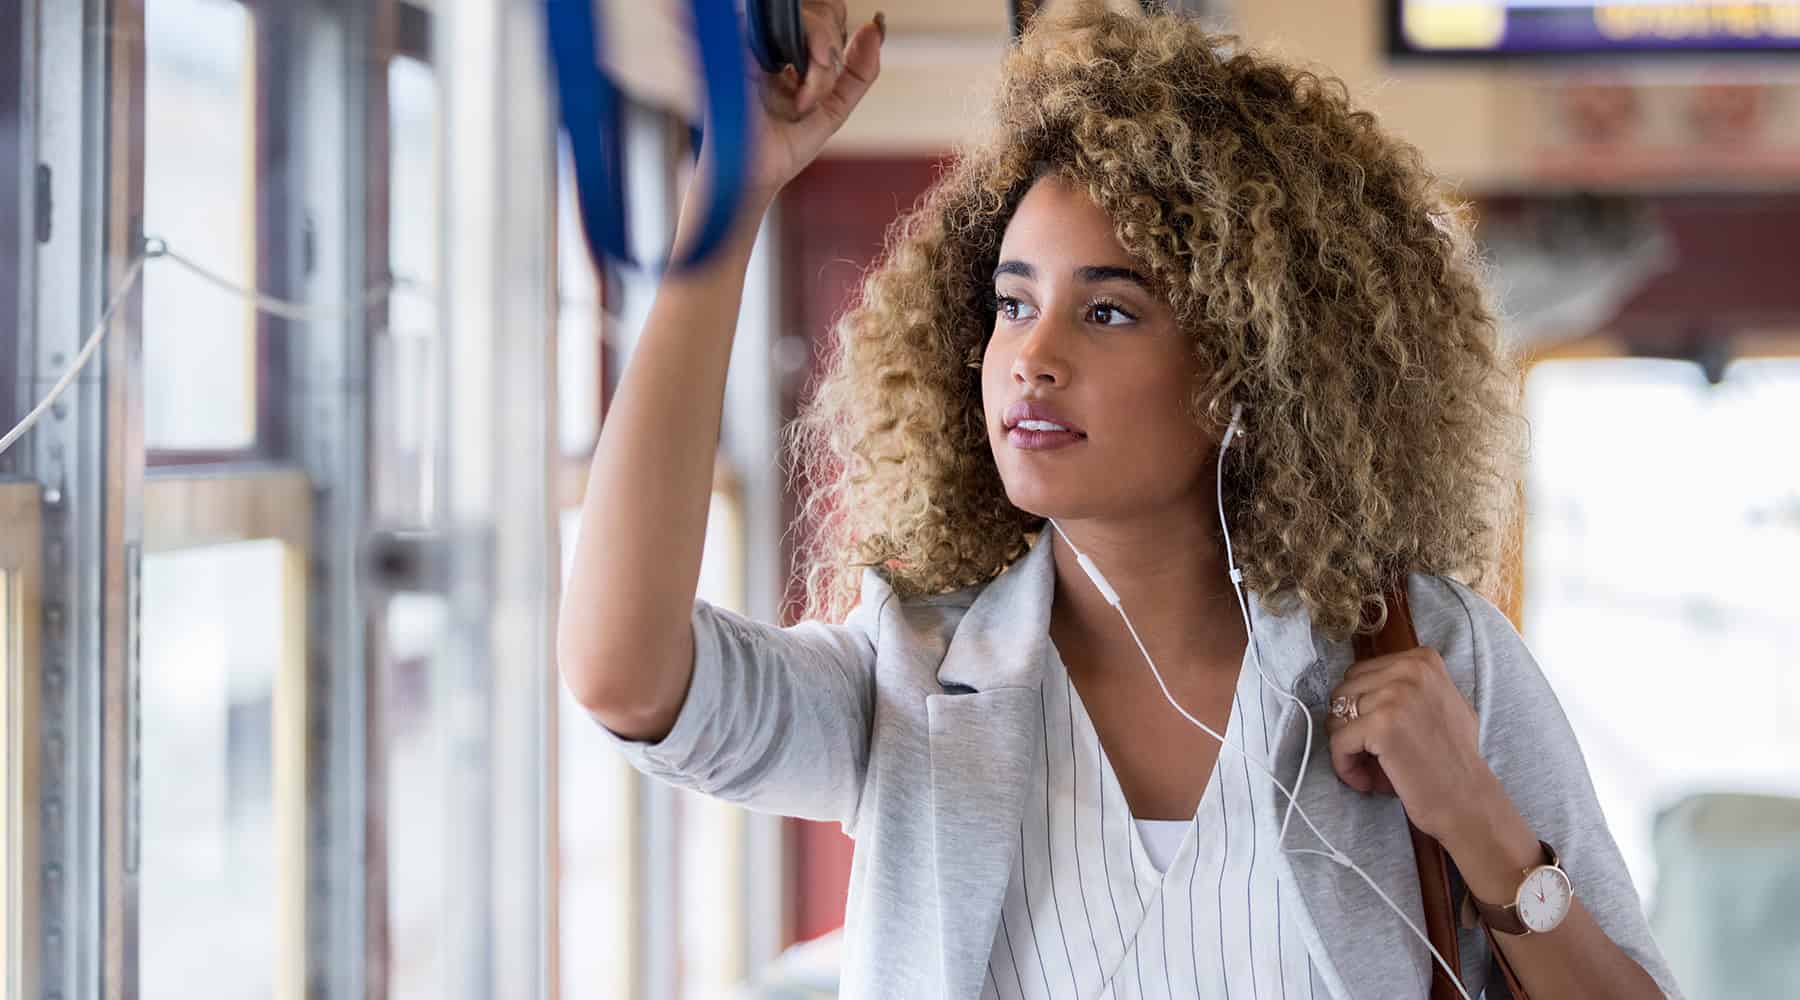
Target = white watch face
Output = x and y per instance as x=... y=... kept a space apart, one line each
x=1544 y=899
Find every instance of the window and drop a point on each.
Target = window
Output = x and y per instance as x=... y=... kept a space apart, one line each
x=600 y=817
x=578 y=326
x=599 y=890
x=200 y=342
x=408 y=442
x=222 y=703
x=408 y=359
x=1664 y=525
x=221 y=699
x=710 y=834
x=597 y=810
x=414 y=776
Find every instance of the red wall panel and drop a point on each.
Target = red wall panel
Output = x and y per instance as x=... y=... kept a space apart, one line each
x=833 y=219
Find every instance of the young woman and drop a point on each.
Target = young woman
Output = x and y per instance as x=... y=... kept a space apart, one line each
x=1161 y=232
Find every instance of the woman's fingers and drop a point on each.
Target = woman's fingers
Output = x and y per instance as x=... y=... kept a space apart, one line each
x=1353 y=758
x=861 y=65
x=801 y=116
x=1406 y=710
x=1369 y=687
x=825 y=24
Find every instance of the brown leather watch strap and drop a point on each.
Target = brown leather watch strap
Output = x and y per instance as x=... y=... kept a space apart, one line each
x=1501 y=919
x=1505 y=917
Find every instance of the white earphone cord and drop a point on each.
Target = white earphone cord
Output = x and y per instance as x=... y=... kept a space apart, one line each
x=1237 y=578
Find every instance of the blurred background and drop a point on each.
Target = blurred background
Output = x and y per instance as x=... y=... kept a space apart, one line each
x=278 y=574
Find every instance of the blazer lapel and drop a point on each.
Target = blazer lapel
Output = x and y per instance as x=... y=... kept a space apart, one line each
x=984 y=748
x=982 y=756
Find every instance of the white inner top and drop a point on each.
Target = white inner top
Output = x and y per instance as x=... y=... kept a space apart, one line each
x=1162 y=838
x=1103 y=906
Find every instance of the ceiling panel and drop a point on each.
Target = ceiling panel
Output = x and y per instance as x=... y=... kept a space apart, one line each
x=979 y=17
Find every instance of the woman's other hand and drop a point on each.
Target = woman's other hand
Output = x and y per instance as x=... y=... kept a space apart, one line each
x=1414 y=736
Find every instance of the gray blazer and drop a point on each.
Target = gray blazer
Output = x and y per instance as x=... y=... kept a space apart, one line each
x=916 y=725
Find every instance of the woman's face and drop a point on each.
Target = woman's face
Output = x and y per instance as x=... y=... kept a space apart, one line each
x=1082 y=343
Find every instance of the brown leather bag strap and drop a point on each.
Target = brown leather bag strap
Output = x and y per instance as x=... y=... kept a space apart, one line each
x=1506 y=969
x=1398 y=636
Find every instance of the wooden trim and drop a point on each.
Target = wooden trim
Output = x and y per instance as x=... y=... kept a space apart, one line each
x=22 y=573
x=377 y=264
x=122 y=473
x=1772 y=342
x=193 y=510
x=289 y=785
x=380 y=49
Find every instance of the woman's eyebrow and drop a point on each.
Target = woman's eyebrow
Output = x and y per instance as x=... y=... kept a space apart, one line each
x=1096 y=274
x=1017 y=267
x=1090 y=274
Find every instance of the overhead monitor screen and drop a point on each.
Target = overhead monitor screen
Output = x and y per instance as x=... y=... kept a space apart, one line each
x=1549 y=28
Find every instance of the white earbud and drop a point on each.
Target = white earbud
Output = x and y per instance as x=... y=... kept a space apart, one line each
x=1237 y=579
x=1236 y=426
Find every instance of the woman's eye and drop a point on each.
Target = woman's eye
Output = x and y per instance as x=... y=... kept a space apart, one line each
x=1105 y=312
x=1012 y=309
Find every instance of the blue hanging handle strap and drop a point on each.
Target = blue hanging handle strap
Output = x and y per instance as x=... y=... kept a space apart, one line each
x=591 y=115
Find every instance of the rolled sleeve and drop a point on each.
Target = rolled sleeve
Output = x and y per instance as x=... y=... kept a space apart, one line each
x=775 y=719
x=670 y=757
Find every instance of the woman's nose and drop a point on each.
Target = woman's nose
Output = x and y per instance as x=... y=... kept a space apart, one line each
x=1040 y=358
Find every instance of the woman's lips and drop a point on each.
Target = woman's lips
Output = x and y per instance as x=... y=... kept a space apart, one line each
x=1029 y=440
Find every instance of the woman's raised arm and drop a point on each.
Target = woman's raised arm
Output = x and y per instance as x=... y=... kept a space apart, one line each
x=624 y=642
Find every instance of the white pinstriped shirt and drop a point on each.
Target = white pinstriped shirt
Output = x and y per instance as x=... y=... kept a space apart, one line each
x=1089 y=913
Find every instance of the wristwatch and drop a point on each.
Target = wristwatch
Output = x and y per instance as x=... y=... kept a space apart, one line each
x=1543 y=900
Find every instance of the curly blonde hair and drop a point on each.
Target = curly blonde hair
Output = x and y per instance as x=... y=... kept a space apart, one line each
x=1328 y=282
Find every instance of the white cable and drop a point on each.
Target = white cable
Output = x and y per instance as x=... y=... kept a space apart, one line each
x=1237 y=580
x=1117 y=606
x=156 y=248
x=1237 y=576
x=87 y=351
x=285 y=308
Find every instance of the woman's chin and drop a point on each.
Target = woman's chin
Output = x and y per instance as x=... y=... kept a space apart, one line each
x=1041 y=499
